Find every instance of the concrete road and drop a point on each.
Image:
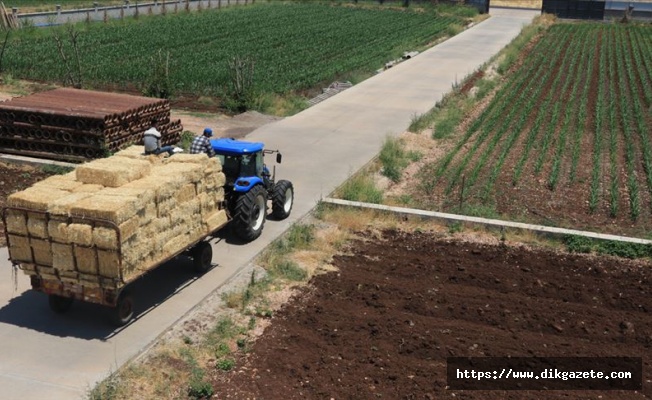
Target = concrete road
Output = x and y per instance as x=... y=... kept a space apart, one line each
x=47 y=356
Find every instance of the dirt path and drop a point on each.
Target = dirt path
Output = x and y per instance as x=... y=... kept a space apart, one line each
x=383 y=326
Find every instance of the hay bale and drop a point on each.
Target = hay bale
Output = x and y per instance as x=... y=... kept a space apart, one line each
x=86 y=260
x=42 y=250
x=188 y=158
x=175 y=245
x=129 y=228
x=37 y=225
x=183 y=172
x=113 y=171
x=58 y=230
x=213 y=166
x=63 y=205
x=138 y=153
x=62 y=257
x=89 y=188
x=29 y=269
x=185 y=193
x=80 y=234
x=164 y=186
x=215 y=221
x=147 y=214
x=105 y=238
x=145 y=195
x=35 y=198
x=116 y=209
x=16 y=222
x=108 y=263
x=65 y=182
x=164 y=207
x=19 y=249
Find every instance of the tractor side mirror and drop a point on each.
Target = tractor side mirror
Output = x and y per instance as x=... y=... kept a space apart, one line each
x=279 y=157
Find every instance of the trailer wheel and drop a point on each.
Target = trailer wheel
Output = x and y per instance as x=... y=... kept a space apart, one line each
x=250 y=213
x=123 y=311
x=59 y=304
x=202 y=257
x=282 y=199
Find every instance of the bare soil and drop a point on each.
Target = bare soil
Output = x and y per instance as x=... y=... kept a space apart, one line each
x=383 y=326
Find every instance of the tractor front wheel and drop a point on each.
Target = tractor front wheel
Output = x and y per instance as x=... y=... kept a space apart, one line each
x=282 y=199
x=249 y=213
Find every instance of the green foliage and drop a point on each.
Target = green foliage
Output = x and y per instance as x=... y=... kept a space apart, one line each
x=485 y=86
x=200 y=389
x=393 y=158
x=158 y=83
x=186 y=140
x=56 y=169
x=419 y=123
x=225 y=364
x=361 y=187
x=299 y=236
x=289 y=270
x=449 y=120
x=580 y=244
x=108 y=389
x=329 y=42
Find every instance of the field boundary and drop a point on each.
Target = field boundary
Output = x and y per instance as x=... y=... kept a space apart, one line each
x=449 y=218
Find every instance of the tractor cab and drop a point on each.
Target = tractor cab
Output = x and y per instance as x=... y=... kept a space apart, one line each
x=243 y=163
x=250 y=185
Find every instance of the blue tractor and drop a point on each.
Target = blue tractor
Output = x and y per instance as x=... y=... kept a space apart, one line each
x=249 y=186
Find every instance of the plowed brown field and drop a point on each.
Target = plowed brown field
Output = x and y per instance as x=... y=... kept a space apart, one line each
x=383 y=326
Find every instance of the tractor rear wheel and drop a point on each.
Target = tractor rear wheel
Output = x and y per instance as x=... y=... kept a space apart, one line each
x=249 y=213
x=282 y=199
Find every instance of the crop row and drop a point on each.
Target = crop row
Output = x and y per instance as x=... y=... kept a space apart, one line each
x=576 y=115
x=294 y=45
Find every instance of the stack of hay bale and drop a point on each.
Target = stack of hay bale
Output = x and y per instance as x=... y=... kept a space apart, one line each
x=111 y=220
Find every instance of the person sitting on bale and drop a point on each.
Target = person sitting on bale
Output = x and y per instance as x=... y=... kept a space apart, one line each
x=202 y=144
x=152 y=142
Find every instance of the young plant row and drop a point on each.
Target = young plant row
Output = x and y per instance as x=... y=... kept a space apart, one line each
x=294 y=45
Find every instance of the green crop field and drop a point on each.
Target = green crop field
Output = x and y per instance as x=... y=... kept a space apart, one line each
x=568 y=137
x=295 y=46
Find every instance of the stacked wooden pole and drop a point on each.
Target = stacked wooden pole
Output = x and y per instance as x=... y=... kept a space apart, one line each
x=78 y=125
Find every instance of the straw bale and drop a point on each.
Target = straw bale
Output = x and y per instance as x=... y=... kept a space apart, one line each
x=113 y=171
x=74 y=280
x=90 y=188
x=201 y=158
x=148 y=213
x=63 y=205
x=47 y=276
x=129 y=228
x=35 y=198
x=89 y=281
x=19 y=249
x=145 y=195
x=105 y=238
x=183 y=172
x=62 y=258
x=212 y=166
x=116 y=209
x=138 y=153
x=215 y=221
x=108 y=263
x=28 y=268
x=196 y=234
x=16 y=222
x=58 y=230
x=86 y=260
x=65 y=182
x=37 y=225
x=164 y=207
x=80 y=234
x=185 y=193
x=175 y=245
x=164 y=186
x=42 y=251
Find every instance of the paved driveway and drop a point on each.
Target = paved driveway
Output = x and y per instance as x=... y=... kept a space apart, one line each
x=46 y=356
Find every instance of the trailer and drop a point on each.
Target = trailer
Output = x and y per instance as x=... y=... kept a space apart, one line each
x=90 y=234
